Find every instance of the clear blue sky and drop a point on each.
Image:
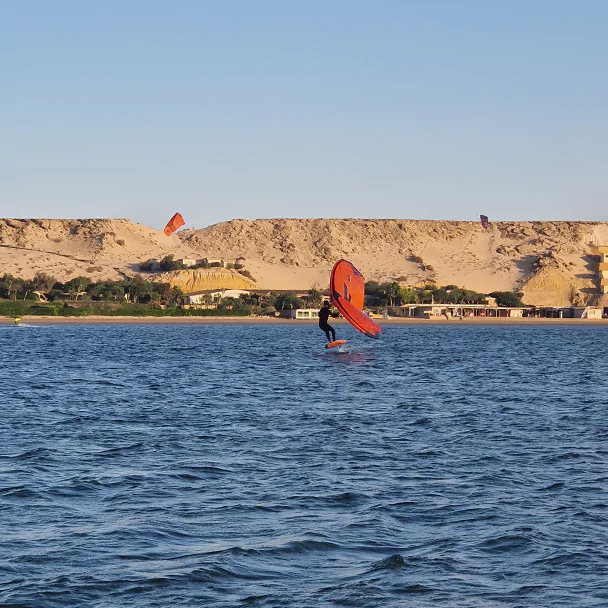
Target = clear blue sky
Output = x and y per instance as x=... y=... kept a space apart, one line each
x=436 y=109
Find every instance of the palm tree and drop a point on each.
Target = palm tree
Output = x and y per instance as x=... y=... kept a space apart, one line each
x=314 y=297
x=391 y=291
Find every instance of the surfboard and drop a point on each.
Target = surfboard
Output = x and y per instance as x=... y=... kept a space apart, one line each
x=335 y=343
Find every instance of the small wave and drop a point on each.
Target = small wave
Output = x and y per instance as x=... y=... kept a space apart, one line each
x=300 y=546
x=411 y=589
x=403 y=503
x=566 y=456
x=120 y=449
x=562 y=559
x=77 y=420
x=343 y=498
x=207 y=469
x=106 y=382
x=18 y=492
x=554 y=486
x=251 y=599
x=428 y=453
x=505 y=543
x=526 y=589
x=346 y=497
x=148 y=585
x=186 y=476
x=214 y=573
x=28 y=454
x=390 y=563
x=421 y=422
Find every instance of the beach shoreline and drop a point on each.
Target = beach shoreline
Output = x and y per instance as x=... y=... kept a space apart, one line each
x=395 y=321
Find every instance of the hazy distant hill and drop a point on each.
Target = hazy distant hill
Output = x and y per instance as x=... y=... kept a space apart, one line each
x=550 y=262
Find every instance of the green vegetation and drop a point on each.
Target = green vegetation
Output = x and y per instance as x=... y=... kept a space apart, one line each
x=288 y=301
x=20 y=308
x=168 y=263
x=136 y=297
x=147 y=266
x=82 y=289
x=392 y=294
x=507 y=298
x=44 y=295
x=315 y=298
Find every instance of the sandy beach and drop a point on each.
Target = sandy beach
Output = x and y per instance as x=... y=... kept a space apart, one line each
x=103 y=320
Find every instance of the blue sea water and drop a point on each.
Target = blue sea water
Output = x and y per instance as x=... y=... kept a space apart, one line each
x=242 y=465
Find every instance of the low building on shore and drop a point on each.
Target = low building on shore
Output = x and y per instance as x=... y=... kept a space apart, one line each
x=210 y=298
x=300 y=313
x=427 y=311
x=567 y=312
x=589 y=312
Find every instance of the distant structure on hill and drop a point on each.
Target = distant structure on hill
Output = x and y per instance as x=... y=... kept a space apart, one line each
x=209 y=262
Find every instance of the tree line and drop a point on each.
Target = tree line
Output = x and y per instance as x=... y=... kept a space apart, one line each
x=269 y=303
x=80 y=297
x=393 y=294
x=386 y=294
x=44 y=294
x=154 y=294
x=135 y=290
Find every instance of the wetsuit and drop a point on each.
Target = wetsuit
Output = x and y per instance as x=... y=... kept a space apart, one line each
x=324 y=325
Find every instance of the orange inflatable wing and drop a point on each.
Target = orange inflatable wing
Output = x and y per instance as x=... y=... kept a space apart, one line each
x=347 y=282
x=177 y=221
x=347 y=290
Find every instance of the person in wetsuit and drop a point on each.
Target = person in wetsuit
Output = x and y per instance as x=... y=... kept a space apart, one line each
x=324 y=314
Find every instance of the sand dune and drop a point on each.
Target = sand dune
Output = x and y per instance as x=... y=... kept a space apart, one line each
x=550 y=262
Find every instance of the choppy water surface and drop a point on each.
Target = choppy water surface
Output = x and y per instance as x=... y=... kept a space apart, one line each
x=243 y=465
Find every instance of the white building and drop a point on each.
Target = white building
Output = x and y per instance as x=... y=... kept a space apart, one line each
x=455 y=310
x=224 y=263
x=590 y=312
x=188 y=261
x=300 y=313
x=201 y=297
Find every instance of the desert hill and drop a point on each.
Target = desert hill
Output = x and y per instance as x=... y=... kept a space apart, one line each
x=203 y=279
x=551 y=263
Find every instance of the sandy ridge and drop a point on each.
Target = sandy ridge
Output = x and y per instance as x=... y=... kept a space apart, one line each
x=550 y=262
